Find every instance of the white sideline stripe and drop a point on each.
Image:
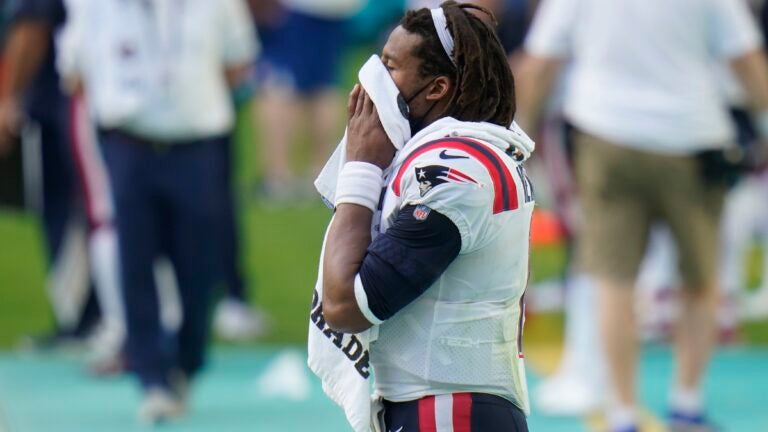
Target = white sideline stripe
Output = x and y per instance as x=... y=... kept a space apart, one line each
x=444 y=413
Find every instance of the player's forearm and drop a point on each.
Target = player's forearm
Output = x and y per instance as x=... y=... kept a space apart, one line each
x=25 y=49
x=345 y=249
x=534 y=78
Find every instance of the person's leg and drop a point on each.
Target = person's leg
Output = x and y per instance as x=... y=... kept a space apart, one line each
x=655 y=300
x=692 y=209
x=229 y=226
x=105 y=270
x=196 y=193
x=278 y=115
x=738 y=227
x=102 y=239
x=578 y=386
x=320 y=80
x=235 y=320
x=618 y=329
x=132 y=169
x=612 y=242
x=67 y=280
x=325 y=107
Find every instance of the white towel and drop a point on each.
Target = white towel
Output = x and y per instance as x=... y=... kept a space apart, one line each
x=342 y=361
x=376 y=81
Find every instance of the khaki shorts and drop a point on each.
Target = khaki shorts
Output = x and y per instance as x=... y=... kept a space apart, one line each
x=624 y=192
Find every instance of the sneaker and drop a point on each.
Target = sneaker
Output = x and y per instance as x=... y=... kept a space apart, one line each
x=160 y=405
x=236 y=321
x=682 y=422
x=567 y=395
x=105 y=357
x=106 y=366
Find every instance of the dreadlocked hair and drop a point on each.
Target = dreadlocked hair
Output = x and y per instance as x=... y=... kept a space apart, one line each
x=484 y=88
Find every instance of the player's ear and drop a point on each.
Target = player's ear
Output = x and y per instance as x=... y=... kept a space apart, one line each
x=441 y=88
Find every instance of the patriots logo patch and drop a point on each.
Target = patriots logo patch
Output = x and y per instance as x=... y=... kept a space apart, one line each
x=431 y=176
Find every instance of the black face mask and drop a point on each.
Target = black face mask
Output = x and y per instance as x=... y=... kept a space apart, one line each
x=405 y=109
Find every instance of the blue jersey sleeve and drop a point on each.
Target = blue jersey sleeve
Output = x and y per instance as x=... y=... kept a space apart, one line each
x=404 y=262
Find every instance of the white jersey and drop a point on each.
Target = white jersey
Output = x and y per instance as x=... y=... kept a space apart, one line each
x=464 y=333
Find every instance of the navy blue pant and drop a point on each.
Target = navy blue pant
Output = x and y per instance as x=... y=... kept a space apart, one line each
x=169 y=201
x=233 y=274
x=61 y=199
x=459 y=412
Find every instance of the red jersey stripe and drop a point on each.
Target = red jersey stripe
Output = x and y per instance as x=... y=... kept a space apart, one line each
x=505 y=189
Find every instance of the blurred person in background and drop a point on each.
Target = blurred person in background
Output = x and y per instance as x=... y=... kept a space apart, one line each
x=304 y=42
x=34 y=109
x=157 y=77
x=649 y=126
x=745 y=217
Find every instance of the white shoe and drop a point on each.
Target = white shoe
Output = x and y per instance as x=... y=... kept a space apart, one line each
x=236 y=321
x=567 y=395
x=160 y=405
x=105 y=352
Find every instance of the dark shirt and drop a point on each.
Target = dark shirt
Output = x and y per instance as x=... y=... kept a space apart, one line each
x=44 y=98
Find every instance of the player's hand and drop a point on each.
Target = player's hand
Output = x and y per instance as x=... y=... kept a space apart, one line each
x=366 y=139
x=10 y=123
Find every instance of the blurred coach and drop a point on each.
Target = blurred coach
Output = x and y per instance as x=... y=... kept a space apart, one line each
x=157 y=75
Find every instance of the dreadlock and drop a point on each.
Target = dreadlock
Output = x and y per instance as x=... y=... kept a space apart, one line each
x=484 y=88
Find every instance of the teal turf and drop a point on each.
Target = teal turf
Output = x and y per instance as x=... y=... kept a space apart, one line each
x=45 y=394
x=736 y=388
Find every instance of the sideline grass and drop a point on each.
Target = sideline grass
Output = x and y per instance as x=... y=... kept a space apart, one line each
x=281 y=250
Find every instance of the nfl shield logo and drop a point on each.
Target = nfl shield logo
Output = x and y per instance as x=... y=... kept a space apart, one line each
x=421 y=212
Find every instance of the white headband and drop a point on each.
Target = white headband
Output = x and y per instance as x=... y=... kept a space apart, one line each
x=441 y=25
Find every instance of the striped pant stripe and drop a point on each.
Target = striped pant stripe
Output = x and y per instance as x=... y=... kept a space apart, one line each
x=462 y=412
x=427 y=414
x=446 y=413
